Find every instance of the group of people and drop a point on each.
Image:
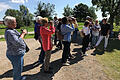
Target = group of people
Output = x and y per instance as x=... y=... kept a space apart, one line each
x=94 y=33
x=44 y=30
x=65 y=26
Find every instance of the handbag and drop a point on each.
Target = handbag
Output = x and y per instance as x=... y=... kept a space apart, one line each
x=27 y=49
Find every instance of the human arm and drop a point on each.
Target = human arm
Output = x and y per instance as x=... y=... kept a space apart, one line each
x=14 y=38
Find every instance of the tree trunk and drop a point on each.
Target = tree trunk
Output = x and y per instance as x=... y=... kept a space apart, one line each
x=111 y=19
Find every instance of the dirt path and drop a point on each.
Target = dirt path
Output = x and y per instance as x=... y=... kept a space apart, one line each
x=86 y=68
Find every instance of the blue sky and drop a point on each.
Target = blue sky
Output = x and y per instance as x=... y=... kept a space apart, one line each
x=32 y=5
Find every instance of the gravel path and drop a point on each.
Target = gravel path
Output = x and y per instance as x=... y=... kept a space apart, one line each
x=86 y=68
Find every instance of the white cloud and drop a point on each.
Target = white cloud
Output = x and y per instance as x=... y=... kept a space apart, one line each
x=4 y=6
x=19 y=1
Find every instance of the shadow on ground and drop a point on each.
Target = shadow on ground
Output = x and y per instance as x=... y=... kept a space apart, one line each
x=56 y=65
x=113 y=44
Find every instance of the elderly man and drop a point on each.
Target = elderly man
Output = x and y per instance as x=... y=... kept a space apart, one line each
x=38 y=37
x=16 y=47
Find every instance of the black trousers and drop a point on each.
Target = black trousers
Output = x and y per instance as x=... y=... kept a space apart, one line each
x=66 y=51
x=60 y=44
x=85 y=43
x=55 y=39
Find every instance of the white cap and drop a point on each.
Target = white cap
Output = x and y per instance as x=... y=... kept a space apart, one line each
x=38 y=18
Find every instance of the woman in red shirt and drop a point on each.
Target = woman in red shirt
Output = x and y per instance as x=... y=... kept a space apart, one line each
x=46 y=42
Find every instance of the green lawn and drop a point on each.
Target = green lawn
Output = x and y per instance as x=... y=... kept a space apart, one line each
x=29 y=29
x=110 y=59
x=28 y=36
x=80 y=25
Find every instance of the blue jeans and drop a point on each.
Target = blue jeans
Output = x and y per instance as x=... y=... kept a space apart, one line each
x=17 y=63
x=94 y=40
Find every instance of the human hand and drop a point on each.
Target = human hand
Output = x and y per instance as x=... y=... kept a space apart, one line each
x=24 y=31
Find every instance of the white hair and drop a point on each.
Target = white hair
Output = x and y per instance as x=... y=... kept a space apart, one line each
x=38 y=18
x=8 y=19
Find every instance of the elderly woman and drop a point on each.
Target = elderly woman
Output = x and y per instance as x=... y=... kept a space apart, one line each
x=66 y=31
x=16 y=47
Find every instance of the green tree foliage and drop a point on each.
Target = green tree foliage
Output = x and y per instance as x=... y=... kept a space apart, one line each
x=92 y=12
x=45 y=10
x=111 y=7
x=17 y=14
x=81 y=11
x=21 y=18
x=26 y=16
x=68 y=11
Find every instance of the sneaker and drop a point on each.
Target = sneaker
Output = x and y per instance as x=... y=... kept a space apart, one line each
x=68 y=61
x=23 y=78
x=72 y=57
x=65 y=64
x=88 y=48
x=85 y=54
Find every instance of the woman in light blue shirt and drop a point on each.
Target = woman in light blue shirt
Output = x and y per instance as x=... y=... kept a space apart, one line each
x=66 y=31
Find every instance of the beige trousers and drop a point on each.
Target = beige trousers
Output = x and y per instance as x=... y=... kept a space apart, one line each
x=47 y=60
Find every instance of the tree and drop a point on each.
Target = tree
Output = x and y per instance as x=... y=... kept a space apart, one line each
x=45 y=10
x=81 y=11
x=26 y=16
x=23 y=17
x=67 y=11
x=92 y=12
x=111 y=7
x=17 y=14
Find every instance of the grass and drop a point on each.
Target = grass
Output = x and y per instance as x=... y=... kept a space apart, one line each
x=29 y=29
x=2 y=31
x=80 y=25
x=28 y=36
x=110 y=59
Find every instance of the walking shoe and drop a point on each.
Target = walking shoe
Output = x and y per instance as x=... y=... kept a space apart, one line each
x=88 y=48
x=71 y=57
x=65 y=64
x=85 y=54
x=23 y=78
x=68 y=61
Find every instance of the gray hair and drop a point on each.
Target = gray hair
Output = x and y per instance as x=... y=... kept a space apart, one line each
x=38 y=18
x=8 y=19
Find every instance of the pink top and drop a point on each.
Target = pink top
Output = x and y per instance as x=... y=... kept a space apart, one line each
x=46 y=37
